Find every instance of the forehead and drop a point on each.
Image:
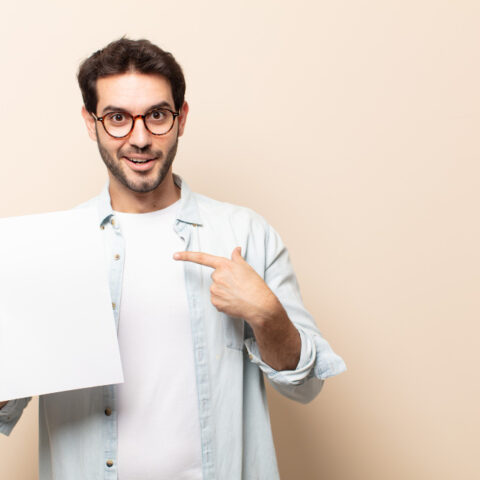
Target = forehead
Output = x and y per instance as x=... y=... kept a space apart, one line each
x=133 y=91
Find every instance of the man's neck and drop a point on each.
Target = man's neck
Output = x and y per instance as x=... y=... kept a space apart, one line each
x=126 y=200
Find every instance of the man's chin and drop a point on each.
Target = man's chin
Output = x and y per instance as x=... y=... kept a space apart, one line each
x=138 y=182
x=143 y=187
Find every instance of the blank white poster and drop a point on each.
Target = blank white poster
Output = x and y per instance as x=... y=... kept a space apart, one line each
x=57 y=330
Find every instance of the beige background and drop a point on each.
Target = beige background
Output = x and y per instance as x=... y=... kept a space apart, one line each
x=352 y=127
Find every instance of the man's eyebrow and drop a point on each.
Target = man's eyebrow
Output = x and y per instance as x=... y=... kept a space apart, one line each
x=113 y=108
x=163 y=104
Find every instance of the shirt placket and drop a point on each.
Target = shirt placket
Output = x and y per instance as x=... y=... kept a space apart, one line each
x=193 y=284
x=110 y=431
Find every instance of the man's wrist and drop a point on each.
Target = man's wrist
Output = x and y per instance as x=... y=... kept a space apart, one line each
x=270 y=311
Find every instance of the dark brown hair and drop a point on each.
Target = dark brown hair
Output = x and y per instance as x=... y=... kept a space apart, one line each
x=125 y=55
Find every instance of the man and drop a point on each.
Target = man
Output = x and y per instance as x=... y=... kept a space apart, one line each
x=204 y=297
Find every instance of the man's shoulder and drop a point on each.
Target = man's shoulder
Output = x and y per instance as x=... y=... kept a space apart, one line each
x=217 y=211
x=212 y=212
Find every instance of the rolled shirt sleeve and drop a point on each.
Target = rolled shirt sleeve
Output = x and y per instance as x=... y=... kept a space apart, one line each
x=11 y=413
x=317 y=359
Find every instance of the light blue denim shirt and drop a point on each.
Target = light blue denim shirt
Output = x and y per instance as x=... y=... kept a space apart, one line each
x=78 y=429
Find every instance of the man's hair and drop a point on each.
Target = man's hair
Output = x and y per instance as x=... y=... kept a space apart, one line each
x=125 y=55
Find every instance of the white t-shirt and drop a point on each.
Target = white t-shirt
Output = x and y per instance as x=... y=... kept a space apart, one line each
x=158 y=422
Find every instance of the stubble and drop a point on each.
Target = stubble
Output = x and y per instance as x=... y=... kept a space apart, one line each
x=145 y=185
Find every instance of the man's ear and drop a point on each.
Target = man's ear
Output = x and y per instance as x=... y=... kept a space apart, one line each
x=182 y=118
x=90 y=123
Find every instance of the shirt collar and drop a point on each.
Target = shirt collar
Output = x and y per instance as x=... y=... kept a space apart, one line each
x=187 y=213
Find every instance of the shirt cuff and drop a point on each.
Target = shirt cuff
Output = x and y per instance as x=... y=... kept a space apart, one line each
x=11 y=413
x=316 y=359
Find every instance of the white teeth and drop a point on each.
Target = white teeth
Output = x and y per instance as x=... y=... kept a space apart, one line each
x=138 y=161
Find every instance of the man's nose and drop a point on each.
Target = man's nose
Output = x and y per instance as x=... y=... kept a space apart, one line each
x=139 y=137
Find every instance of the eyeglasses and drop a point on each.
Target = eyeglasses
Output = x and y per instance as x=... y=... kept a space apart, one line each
x=120 y=124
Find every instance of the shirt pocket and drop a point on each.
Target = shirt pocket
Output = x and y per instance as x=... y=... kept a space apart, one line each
x=233 y=331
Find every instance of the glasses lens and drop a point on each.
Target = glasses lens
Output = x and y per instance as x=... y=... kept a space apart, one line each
x=159 y=121
x=118 y=124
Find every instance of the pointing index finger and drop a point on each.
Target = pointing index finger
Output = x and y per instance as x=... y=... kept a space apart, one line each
x=199 y=257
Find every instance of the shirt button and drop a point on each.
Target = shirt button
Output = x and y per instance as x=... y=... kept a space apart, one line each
x=114 y=305
x=250 y=356
x=112 y=221
x=102 y=227
x=117 y=257
x=108 y=411
x=109 y=463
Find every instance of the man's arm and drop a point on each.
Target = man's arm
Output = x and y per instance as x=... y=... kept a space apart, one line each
x=237 y=290
x=277 y=338
x=2 y=404
x=287 y=345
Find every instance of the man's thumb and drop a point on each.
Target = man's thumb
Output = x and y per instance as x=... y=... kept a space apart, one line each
x=237 y=253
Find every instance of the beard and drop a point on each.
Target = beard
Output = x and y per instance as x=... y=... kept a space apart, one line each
x=143 y=185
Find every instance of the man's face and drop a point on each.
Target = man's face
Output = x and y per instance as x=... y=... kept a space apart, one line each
x=136 y=93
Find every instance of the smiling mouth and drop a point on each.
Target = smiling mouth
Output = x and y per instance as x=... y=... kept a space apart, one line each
x=138 y=161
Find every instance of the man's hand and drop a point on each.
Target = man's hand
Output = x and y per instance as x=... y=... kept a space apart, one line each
x=2 y=404
x=237 y=289
x=240 y=292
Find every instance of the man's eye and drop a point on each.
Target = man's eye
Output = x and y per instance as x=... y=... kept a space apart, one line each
x=117 y=117
x=157 y=115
